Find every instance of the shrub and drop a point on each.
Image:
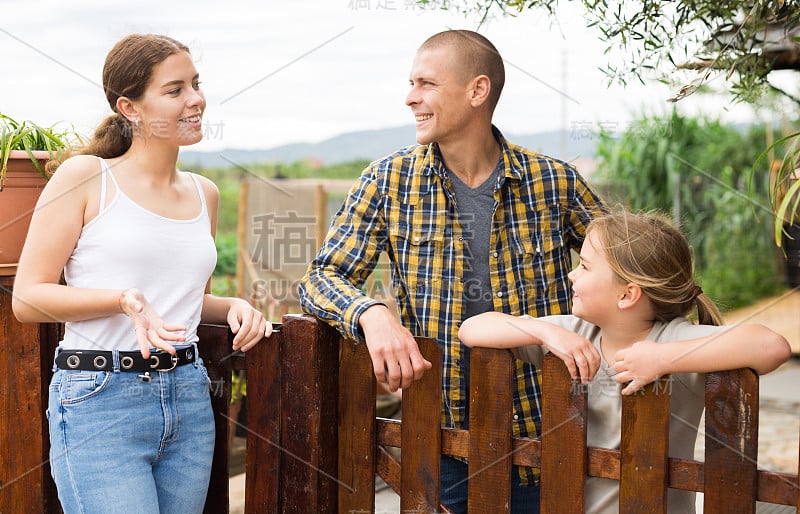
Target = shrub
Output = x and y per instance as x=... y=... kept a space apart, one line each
x=698 y=169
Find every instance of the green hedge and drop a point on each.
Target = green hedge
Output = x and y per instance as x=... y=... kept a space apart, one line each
x=698 y=169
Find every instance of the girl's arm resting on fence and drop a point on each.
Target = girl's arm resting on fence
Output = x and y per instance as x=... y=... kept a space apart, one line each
x=741 y=346
x=499 y=330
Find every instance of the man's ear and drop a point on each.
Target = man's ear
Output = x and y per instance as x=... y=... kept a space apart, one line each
x=481 y=86
x=629 y=296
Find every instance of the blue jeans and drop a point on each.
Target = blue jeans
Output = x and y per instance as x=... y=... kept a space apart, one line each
x=453 y=484
x=119 y=444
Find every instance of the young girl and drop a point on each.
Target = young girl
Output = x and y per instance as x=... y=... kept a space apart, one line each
x=631 y=291
x=131 y=424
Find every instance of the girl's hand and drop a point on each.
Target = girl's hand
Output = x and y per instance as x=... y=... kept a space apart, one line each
x=248 y=324
x=150 y=329
x=639 y=365
x=578 y=353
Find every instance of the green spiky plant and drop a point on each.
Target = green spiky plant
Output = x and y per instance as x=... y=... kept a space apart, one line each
x=30 y=137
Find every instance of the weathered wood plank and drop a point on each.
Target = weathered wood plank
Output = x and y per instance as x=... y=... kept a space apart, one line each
x=564 y=453
x=421 y=436
x=25 y=483
x=780 y=488
x=490 y=416
x=455 y=442
x=309 y=424
x=263 y=451
x=731 y=475
x=215 y=348
x=356 y=429
x=603 y=463
x=527 y=451
x=387 y=467
x=644 y=449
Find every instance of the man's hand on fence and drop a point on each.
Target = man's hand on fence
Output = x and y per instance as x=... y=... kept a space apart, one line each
x=395 y=355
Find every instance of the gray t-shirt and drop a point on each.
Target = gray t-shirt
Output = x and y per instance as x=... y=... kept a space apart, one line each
x=475 y=214
x=687 y=401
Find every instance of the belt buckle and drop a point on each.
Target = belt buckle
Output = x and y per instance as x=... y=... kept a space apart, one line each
x=173 y=359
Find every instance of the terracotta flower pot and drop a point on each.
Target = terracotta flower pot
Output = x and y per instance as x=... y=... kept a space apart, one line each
x=21 y=190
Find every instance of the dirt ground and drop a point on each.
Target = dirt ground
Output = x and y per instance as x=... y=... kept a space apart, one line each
x=780 y=313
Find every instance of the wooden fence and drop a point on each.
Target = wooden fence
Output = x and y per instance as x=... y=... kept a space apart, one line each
x=314 y=450
x=311 y=449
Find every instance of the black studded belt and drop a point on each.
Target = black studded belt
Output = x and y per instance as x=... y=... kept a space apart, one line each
x=92 y=360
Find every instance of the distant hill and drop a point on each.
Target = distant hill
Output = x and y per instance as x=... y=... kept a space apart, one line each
x=373 y=144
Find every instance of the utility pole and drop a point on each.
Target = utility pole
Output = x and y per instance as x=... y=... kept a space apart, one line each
x=564 y=98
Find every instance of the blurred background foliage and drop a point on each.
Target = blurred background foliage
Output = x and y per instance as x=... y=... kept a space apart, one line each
x=699 y=171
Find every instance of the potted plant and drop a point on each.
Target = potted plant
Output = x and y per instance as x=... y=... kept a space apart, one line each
x=25 y=149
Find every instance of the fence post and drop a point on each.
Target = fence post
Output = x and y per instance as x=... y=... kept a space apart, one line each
x=28 y=350
x=731 y=474
x=421 y=436
x=644 y=449
x=215 y=349
x=263 y=450
x=564 y=452
x=309 y=420
x=357 y=457
x=491 y=409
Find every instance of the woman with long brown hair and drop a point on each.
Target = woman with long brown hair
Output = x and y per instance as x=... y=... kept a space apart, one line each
x=131 y=425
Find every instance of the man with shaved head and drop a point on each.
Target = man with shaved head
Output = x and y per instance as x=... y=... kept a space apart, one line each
x=471 y=223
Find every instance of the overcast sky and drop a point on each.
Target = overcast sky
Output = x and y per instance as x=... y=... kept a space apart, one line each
x=283 y=71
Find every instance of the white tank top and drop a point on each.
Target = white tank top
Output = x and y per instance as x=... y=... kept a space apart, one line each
x=125 y=246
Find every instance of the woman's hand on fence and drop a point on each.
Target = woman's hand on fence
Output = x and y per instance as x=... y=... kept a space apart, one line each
x=638 y=365
x=248 y=324
x=396 y=359
x=150 y=329
x=578 y=353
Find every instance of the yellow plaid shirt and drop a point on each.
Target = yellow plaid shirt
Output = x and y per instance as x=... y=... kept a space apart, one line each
x=404 y=205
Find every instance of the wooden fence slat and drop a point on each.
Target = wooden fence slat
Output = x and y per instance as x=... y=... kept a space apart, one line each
x=309 y=425
x=644 y=449
x=421 y=434
x=263 y=451
x=356 y=429
x=564 y=453
x=731 y=475
x=490 y=418
x=28 y=350
x=388 y=468
x=527 y=452
x=215 y=349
